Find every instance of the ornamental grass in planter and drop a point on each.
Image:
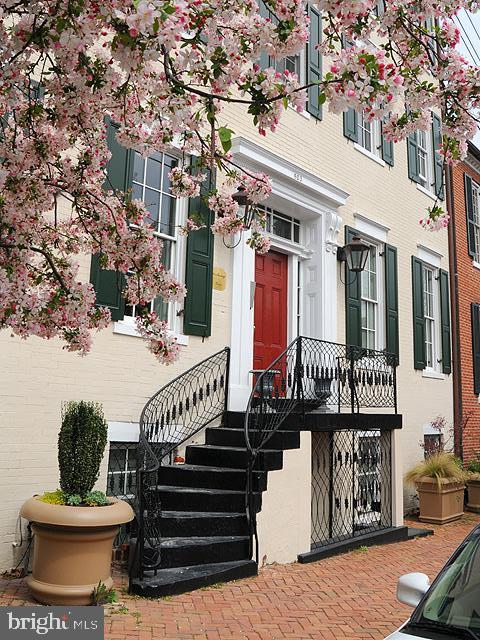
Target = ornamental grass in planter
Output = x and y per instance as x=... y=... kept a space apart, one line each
x=440 y=482
x=74 y=527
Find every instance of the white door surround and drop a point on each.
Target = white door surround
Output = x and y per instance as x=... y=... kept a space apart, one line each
x=314 y=202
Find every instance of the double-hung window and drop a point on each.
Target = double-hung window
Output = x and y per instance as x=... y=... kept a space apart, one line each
x=424 y=160
x=431 y=317
x=152 y=185
x=370 y=301
x=472 y=205
x=425 y=163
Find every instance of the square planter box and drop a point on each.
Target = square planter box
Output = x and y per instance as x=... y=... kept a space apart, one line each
x=473 y=503
x=440 y=504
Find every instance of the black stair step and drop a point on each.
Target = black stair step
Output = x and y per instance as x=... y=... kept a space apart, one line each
x=236 y=420
x=181 y=552
x=196 y=499
x=167 y=582
x=236 y=438
x=235 y=457
x=193 y=475
x=202 y=523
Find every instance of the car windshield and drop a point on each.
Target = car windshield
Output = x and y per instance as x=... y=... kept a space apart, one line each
x=455 y=597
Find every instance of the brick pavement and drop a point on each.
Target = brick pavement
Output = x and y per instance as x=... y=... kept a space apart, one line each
x=348 y=596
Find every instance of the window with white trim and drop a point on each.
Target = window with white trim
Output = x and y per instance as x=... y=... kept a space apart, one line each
x=280 y=225
x=425 y=159
x=475 y=220
x=369 y=134
x=430 y=304
x=122 y=469
x=152 y=185
x=371 y=300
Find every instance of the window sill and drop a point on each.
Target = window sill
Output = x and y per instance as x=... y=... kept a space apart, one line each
x=303 y=113
x=475 y=264
x=129 y=329
x=369 y=154
x=428 y=193
x=436 y=375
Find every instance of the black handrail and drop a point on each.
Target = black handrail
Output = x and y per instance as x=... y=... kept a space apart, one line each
x=172 y=416
x=312 y=375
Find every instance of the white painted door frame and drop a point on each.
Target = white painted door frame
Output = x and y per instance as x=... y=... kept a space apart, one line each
x=314 y=202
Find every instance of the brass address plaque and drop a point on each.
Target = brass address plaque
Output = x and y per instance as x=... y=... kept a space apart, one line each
x=219 y=279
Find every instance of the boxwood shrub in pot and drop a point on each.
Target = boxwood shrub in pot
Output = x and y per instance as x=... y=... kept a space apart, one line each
x=74 y=526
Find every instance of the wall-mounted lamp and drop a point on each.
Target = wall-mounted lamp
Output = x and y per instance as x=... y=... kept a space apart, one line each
x=355 y=254
x=246 y=211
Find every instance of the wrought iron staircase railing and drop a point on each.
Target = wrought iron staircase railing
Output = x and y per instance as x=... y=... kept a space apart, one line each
x=312 y=375
x=171 y=417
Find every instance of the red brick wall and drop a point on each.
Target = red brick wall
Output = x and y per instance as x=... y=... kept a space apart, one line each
x=468 y=292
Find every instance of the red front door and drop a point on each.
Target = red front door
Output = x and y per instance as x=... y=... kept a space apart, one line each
x=270 y=335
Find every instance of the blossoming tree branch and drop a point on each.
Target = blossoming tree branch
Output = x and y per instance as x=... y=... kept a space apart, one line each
x=163 y=72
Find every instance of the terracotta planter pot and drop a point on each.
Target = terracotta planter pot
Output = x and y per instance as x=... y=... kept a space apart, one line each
x=72 y=549
x=473 y=503
x=440 y=504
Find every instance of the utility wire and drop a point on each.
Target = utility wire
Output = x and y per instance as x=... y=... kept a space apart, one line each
x=466 y=37
x=473 y=25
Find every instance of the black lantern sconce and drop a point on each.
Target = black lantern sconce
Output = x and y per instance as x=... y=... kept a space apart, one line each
x=354 y=254
x=246 y=211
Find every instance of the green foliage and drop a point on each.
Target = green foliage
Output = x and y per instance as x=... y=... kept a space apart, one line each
x=81 y=444
x=441 y=466
x=74 y=500
x=102 y=595
x=54 y=497
x=95 y=499
x=474 y=466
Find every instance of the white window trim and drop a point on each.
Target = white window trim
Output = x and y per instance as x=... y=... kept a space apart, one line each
x=373 y=229
x=380 y=319
x=435 y=371
x=432 y=258
x=429 y=189
x=376 y=158
x=123 y=431
x=425 y=191
x=476 y=264
x=127 y=326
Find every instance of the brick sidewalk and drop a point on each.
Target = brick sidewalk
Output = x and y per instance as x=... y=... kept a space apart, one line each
x=348 y=596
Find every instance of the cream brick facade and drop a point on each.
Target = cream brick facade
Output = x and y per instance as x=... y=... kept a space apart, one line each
x=36 y=376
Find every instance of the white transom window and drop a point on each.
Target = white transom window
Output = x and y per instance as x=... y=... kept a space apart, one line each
x=281 y=225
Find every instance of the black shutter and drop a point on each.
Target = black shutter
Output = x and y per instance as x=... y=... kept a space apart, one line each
x=412 y=150
x=120 y=165
x=353 y=302
x=445 y=322
x=470 y=214
x=476 y=346
x=418 y=315
x=314 y=63
x=197 y=319
x=437 y=157
x=387 y=148
x=350 y=125
x=391 y=301
x=108 y=285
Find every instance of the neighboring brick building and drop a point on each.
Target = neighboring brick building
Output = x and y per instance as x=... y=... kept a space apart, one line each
x=464 y=201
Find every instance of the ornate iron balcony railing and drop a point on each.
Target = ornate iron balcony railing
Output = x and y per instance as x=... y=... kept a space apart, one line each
x=313 y=375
